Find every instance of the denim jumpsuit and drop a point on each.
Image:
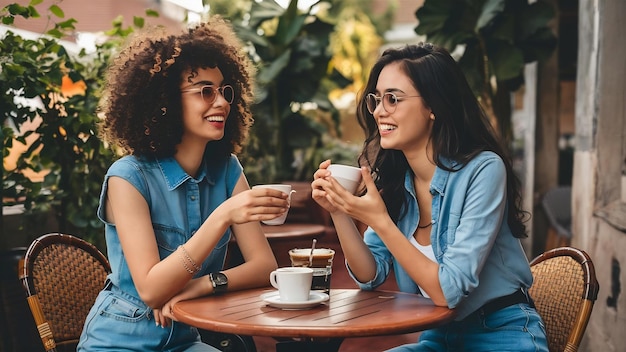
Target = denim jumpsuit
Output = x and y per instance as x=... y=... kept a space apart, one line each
x=119 y=320
x=479 y=260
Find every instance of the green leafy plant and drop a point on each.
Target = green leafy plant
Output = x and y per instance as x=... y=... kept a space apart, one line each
x=498 y=37
x=292 y=109
x=45 y=82
x=296 y=123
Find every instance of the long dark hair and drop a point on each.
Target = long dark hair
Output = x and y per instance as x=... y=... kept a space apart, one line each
x=460 y=130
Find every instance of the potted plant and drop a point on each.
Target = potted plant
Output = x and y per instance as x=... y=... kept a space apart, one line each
x=55 y=88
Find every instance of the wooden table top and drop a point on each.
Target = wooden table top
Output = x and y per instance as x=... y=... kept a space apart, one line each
x=348 y=313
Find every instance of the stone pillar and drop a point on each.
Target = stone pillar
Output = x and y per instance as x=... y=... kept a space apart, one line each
x=598 y=208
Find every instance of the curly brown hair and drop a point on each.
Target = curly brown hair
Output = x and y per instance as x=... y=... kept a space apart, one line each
x=142 y=100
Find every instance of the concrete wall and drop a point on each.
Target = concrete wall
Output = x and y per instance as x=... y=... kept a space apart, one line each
x=598 y=207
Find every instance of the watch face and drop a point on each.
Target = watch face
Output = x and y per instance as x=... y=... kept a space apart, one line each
x=220 y=279
x=220 y=282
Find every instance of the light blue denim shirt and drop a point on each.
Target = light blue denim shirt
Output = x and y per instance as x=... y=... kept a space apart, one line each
x=178 y=204
x=478 y=257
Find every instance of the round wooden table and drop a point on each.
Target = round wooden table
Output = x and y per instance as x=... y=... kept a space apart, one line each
x=348 y=313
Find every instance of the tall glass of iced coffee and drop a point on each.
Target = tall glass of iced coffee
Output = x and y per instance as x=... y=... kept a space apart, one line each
x=321 y=261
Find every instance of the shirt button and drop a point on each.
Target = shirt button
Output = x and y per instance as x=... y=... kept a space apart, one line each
x=193 y=197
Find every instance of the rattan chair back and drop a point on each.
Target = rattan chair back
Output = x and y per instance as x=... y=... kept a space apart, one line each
x=62 y=275
x=564 y=290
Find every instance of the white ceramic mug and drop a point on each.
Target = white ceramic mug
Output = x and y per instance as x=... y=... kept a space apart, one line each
x=285 y=189
x=293 y=284
x=348 y=176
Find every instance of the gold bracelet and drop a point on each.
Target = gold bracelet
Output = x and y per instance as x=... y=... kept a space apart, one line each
x=193 y=264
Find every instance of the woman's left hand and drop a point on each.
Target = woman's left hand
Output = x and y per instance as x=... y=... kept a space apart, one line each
x=166 y=310
x=160 y=318
x=194 y=288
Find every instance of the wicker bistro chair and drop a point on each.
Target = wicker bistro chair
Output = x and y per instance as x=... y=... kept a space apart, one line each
x=564 y=291
x=62 y=275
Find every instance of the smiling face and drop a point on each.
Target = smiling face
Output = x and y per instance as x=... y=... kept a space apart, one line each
x=407 y=128
x=202 y=120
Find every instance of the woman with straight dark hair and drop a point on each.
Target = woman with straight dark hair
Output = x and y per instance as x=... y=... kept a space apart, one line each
x=440 y=205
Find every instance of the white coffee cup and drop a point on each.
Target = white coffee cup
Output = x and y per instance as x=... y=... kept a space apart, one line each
x=348 y=176
x=293 y=284
x=285 y=189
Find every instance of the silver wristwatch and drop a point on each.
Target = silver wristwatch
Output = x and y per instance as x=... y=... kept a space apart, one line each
x=219 y=281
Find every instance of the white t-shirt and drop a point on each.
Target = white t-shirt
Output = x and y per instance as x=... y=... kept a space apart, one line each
x=427 y=251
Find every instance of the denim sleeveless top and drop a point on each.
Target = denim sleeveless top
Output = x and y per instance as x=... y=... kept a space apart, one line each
x=178 y=205
x=479 y=259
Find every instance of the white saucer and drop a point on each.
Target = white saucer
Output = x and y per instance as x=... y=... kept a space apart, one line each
x=273 y=299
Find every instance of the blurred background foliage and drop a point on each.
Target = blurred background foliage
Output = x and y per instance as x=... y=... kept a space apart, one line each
x=51 y=91
x=307 y=58
x=48 y=109
x=303 y=57
x=496 y=38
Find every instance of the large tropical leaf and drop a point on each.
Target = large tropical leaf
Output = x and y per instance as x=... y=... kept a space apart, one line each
x=490 y=11
x=433 y=16
x=261 y=11
x=506 y=59
x=269 y=73
x=504 y=28
x=535 y=17
x=539 y=45
x=290 y=24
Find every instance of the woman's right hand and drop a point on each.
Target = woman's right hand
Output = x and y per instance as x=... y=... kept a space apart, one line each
x=257 y=204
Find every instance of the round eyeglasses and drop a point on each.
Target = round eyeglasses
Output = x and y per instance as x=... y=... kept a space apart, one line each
x=390 y=101
x=209 y=93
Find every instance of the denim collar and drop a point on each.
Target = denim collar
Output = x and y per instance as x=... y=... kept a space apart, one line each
x=439 y=181
x=175 y=175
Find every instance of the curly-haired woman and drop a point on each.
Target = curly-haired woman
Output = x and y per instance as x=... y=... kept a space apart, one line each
x=441 y=205
x=179 y=106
